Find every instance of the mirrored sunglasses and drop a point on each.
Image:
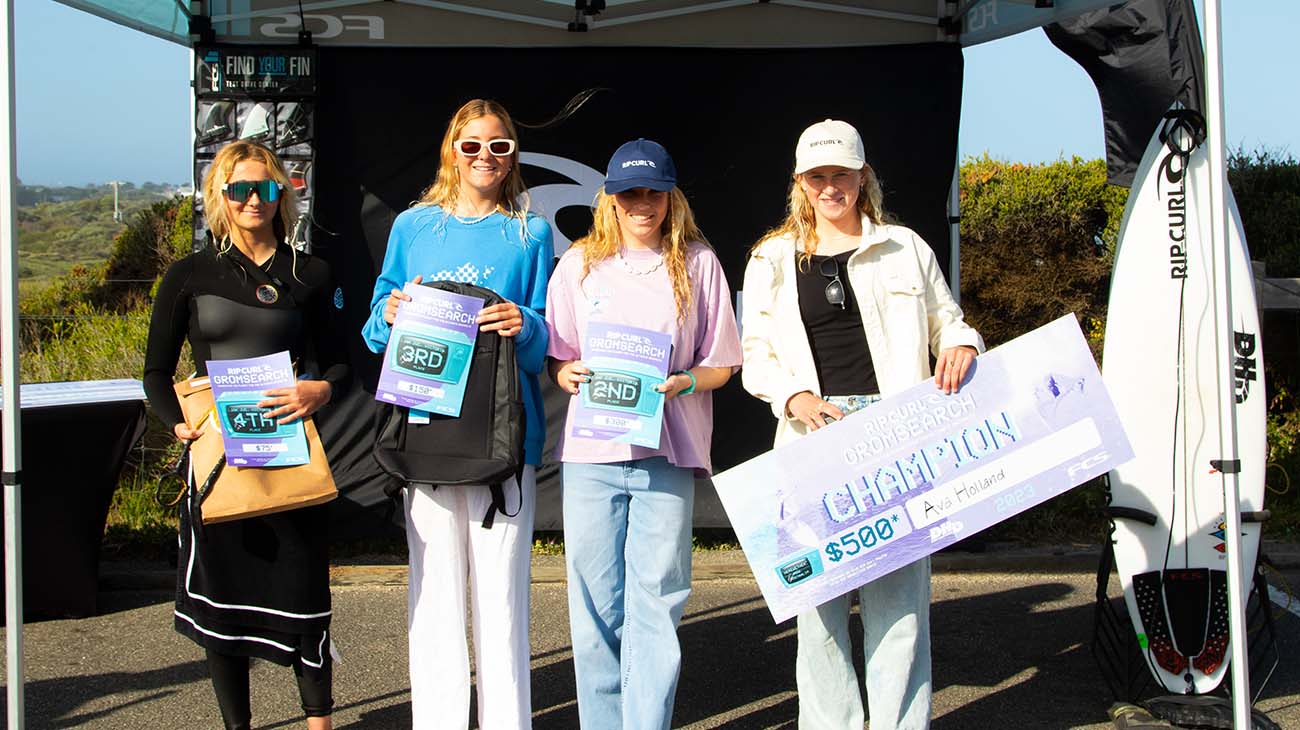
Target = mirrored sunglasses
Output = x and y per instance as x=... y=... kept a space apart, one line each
x=830 y=269
x=497 y=147
x=268 y=191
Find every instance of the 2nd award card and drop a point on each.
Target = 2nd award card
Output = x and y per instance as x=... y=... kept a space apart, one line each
x=429 y=351
x=250 y=436
x=619 y=402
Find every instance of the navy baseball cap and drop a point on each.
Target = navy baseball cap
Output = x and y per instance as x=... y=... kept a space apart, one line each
x=640 y=164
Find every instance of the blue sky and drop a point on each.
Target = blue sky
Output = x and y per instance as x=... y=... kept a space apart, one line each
x=98 y=102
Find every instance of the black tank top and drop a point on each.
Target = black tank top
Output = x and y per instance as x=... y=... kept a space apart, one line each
x=838 y=342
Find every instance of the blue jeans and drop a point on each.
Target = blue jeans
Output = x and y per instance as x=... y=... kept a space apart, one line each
x=895 y=613
x=627 y=544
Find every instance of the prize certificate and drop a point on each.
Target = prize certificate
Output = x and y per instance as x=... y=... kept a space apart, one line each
x=426 y=363
x=252 y=438
x=619 y=401
x=920 y=470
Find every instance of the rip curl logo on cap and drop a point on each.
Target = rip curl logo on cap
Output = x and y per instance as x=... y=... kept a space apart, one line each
x=824 y=142
x=638 y=163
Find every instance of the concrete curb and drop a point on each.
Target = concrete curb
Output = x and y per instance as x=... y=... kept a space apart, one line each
x=706 y=566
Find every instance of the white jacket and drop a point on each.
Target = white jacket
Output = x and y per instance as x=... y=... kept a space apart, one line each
x=906 y=308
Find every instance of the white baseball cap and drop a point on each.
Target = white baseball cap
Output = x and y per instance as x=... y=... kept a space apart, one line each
x=831 y=142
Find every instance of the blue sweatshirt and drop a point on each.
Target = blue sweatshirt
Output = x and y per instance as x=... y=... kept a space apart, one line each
x=490 y=253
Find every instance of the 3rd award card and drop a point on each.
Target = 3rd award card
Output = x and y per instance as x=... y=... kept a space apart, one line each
x=429 y=351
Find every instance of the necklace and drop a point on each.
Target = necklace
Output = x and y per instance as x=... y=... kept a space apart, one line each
x=627 y=265
x=471 y=221
x=268 y=293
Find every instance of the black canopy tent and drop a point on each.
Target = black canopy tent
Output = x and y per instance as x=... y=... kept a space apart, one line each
x=388 y=79
x=727 y=66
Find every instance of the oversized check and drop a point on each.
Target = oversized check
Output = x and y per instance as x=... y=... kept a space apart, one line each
x=920 y=470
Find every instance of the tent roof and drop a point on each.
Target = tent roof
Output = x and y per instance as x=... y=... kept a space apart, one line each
x=167 y=19
x=534 y=23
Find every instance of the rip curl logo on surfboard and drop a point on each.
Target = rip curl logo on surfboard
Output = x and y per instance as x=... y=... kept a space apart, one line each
x=1180 y=136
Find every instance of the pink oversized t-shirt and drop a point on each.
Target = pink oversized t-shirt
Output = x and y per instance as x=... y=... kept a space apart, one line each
x=614 y=292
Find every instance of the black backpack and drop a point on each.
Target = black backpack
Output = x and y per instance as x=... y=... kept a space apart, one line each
x=484 y=445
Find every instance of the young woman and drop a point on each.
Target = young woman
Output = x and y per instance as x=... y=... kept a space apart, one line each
x=256 y=587
x=627 y=509
x=841 y=306
x=472 y=225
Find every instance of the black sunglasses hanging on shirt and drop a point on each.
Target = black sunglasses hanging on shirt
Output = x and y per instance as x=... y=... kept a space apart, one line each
x=835 y=288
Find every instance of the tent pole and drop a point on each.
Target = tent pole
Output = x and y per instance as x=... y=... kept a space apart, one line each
x=954 y=231
x=12 y=447
x=1240 y=664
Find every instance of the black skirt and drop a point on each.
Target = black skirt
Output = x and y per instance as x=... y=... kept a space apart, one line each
x=256 y=587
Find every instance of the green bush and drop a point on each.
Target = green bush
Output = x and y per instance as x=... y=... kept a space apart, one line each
x=1266 y=185
x=146 y=248
x=1267 y=188
x=1037 y=242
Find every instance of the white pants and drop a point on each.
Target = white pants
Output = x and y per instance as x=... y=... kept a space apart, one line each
x=450 y=552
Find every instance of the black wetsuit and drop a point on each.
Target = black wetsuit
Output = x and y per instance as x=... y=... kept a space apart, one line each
x=258 y=586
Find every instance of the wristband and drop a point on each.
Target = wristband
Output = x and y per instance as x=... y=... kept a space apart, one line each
x=689 y=374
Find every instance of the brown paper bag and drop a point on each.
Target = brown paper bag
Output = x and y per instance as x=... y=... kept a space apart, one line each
x=239 y=492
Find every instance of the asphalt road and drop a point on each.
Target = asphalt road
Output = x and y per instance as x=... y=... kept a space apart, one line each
x=1011 y=650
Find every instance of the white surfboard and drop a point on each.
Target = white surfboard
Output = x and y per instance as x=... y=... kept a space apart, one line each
x=1159 y=366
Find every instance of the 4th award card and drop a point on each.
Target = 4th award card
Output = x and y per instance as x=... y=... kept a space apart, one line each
x=250 y=436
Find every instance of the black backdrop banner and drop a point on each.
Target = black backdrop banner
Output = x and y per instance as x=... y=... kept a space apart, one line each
x=730 y=118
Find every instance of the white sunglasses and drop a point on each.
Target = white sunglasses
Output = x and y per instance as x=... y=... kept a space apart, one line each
x=501 y=147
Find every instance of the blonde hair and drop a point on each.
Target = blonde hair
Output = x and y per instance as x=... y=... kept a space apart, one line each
x=214 y=201
x=801 y=216
x=679 y=231
x=445 y=189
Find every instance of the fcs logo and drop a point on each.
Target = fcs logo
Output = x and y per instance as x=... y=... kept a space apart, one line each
x=324 y=26
x=548 y=200
x=982 y=16
x=1087 y=463
x=1244 y=365
x=237 y=18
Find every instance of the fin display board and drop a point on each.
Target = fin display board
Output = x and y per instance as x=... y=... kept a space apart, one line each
x=263 y=95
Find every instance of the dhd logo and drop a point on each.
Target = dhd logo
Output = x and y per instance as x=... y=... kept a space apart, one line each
x=1244 y=364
